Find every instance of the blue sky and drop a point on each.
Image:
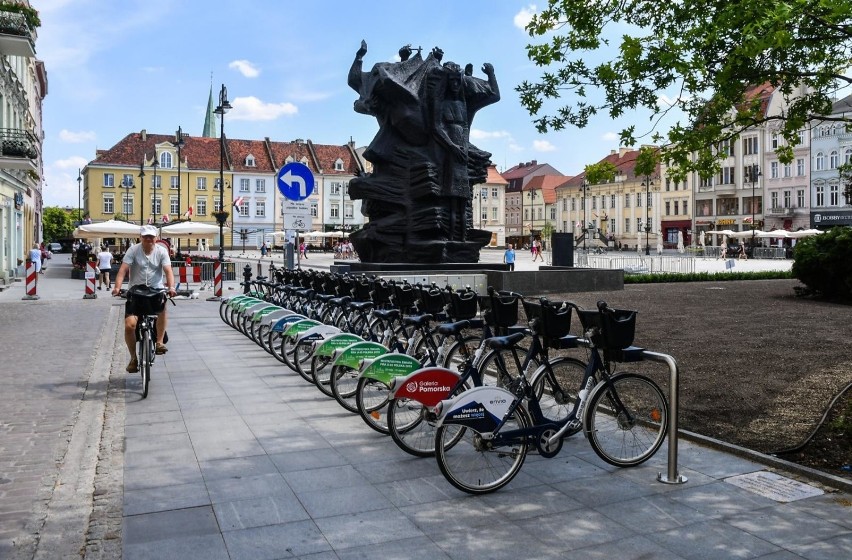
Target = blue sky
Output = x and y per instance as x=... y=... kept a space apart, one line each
x=116 y=67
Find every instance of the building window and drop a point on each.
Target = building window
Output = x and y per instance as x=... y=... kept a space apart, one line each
x=820 y=196
x=775 y=140
x=627 y=200
x=573 y=204
x=494 y=213
x=750 y=146
x=201 y=206
x=833 y=195
x=173 y=182
x=820 y=161
x=109 y=203
x=174 y=204
x=788 y=198
x=594 y=203
x=727 y=147
x=250 y=161
x=801 y=138
x=638 y=200
x=773 y=198
x=833 y=160
x=538 y=213
x=847 y=156
x=127 y=180
x=676 y=207
x=201 y=183
x=260 y=209
x=773 y=169
x=800 y=167
x=243 y=209
x=638 y=224
x=338 y=165
x=217 y=207
x=217 y=184
x=626 y=225
x=334 y=189
x=612 y=201
x=334 y=211
x=314 y=210
x=244 y=185
x=788 y=170
x=260 y=185
x=668 y=208
x=156 y=206
x=157 y=182
x=109 y=180
x=800 y=198
x=494 y=192
x=686 y=207
x=650 y=201
x=166 y=160
x=127 y=203
x=349 y=211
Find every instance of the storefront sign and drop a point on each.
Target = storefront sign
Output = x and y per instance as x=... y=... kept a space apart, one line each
x=725 y=222
x=828 y=218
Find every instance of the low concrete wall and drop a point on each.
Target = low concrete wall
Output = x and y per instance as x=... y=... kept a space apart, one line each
x=551 y=280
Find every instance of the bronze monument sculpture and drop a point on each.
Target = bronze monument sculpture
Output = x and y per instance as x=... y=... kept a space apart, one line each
x=418 y=196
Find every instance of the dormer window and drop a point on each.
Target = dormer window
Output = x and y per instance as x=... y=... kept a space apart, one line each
x=165 y=160
x=304 y=160
x=250 y=161
x=338 y=165
x=290 y=159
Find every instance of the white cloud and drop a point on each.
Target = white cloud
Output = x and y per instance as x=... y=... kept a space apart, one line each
x=246 y=68
x=543 y=146
x=523 y=17
x=477 y=134
x=253 y=109
x=73 y=162
x=515 y=147
x=609 y=136
x=77 y=137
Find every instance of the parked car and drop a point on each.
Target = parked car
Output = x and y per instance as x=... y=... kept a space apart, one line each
x=54 y=247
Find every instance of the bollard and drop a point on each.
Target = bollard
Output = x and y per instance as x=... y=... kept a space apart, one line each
x=217 y=282
x=91 y=277
x=246 y=278
x=32 y=281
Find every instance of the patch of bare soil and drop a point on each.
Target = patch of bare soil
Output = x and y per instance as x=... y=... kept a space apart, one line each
x=758 y=366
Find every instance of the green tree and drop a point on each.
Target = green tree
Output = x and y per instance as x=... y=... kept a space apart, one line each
x=56 y=223
x=546 y=232
x=712 y=56
x=601 y=172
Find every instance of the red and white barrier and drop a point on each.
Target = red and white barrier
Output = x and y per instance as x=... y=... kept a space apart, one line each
x=91 y=278
x=32 y=281
x=217 y=279
x=187 y=274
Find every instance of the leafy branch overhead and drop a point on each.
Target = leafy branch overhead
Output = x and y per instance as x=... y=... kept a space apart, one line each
x=714 y=57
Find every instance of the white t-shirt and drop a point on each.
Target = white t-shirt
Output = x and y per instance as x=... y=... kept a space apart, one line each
x=147 y=269
x=105 y=261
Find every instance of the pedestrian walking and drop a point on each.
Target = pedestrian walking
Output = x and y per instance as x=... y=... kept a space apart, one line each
x=263 y=249
x=303 y=250
x=35 y=257
x=105 y=260
x=509 y=257
x=536 y=250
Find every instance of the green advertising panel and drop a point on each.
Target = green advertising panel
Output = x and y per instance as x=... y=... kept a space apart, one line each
x=351 y=357
x=337 y=342
x=300 y=327
x=388 y=366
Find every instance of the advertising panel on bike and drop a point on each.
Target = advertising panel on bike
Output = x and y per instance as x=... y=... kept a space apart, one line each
x=337 y=342
x=386 y=367
x=428 y=386
x=480 y=408
x=352 y=356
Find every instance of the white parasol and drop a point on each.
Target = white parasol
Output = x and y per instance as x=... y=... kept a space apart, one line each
x=803 y=233
x=110 y=228
x=186 y=230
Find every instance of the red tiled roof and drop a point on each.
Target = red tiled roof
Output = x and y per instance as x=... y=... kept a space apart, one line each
x=521 y=170
x=624 y=162
x=495 y=178
x=328 y=155
x=547 y=184
x=240 y=150
x=763 y=92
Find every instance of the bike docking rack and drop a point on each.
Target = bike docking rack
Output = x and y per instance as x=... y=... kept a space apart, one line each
x=636 y=354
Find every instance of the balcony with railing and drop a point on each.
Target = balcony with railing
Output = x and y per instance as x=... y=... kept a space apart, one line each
x=18 y=149
x=16 y=33
x=780 y=212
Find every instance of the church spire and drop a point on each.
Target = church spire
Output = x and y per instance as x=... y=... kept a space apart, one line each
x=209 y=130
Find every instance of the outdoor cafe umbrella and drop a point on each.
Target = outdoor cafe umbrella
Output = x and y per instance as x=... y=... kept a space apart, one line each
x=782 y=233
x=803 y=233
x=110 y=228
x=745 y=234
x=185 y=230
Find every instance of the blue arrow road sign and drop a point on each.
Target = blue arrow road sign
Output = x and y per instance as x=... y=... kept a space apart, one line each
x=295 y=181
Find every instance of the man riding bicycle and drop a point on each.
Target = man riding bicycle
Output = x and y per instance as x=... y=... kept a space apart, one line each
x=147 y=264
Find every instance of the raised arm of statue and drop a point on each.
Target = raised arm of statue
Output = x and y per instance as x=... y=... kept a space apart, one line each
x=355 y=74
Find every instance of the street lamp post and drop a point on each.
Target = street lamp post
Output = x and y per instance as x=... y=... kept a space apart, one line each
x=79 y=198
x=179 y=143
x=532 y=194
x=220 y=110
x=126 y=184
x=142 y=191
x=755 y=173
x=647 y=184
x=154 y=187
x=585 y=223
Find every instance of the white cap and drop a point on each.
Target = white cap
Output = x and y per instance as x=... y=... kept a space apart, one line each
x=148 y=230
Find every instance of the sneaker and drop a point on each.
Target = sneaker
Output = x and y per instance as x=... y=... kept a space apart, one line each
x=161 y=349
x=100 y=287
x=133 y=366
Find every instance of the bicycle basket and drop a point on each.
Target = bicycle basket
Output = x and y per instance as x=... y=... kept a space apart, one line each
x=404 y=297
x=146 y=300
x=552 y=321
x=617 y=328
x=430 y=300
x=500 y=309
x=461 y=304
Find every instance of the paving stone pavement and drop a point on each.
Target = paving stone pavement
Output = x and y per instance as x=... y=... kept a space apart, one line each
x=232 y=455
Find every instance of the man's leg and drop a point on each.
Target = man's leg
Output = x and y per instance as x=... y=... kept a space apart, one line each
x=161 y=326
x=130 y=334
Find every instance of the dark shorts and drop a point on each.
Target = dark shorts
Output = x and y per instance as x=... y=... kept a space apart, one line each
x=144 y=305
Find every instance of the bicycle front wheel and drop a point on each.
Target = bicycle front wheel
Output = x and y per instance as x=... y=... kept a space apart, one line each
x=557 y=388
x=344 y=386
x=626 y=420
x=321 y=370
x=143 y=357
x=303 y=351
x=477 y=465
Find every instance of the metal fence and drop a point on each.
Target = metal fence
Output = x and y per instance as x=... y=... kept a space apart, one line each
x=769 y=253
x=229 y=270
x=639 y=264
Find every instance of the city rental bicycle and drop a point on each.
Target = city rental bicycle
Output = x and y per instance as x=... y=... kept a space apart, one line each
x=484 y=434
x=149 y=302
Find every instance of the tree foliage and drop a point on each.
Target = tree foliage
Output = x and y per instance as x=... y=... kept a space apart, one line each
x=601 y=172
x=56 y=224
x=823 y=263
x=707 y=54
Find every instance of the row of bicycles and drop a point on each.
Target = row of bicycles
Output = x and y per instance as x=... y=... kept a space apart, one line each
x=455 y=375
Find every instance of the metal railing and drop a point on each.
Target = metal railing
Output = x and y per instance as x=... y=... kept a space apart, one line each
x=18 y=143
x=639 y=264
x=769 y=253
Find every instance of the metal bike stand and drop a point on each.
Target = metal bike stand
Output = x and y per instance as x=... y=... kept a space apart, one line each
x=672 y=476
